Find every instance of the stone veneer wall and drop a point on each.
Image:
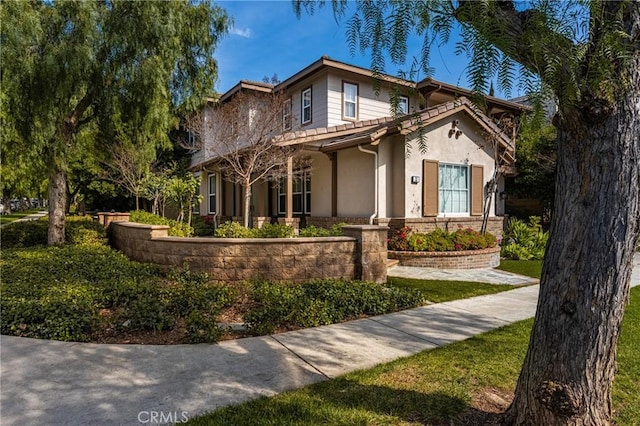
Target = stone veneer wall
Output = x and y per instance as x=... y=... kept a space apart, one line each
x=359 y=255
x=487 y=258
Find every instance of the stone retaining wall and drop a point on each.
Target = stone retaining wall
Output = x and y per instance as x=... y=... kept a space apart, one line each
x=361 y=254
x=495 y=225
x=470 y=259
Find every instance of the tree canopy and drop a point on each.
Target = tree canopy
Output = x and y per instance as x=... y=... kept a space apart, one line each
x=587 y=55
x=122 y=69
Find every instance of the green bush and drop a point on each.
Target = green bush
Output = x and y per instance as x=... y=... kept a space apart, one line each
x=524 y=241
x=282 y=306
x=83 y=230
x=62 y=292
x=268 y=230
x=78 y=230
x=276 y=230
x=203 y=226
x=441 y=240
x=314 y=231
x=233 y=230
x=176 y=229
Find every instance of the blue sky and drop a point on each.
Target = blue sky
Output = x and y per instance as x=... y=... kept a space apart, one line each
x=267 y=38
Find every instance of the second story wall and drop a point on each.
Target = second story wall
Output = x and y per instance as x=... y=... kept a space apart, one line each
x=318 y=85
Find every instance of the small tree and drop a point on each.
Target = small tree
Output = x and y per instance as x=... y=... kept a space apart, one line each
x=183 y=191
x=241 y=135
x=128 y=168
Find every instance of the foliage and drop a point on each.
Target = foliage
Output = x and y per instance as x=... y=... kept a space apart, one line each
x=278 y=306
x=176 y=229
x=183 y=190
x=537 y=154
x=314 y=231
x=121 y=71
x=73 y=292
x=203 y=226
x=80 y=230
x=268 y=230
x=242 y=133
x=233 y=230
x=524 y=241
x=275 y=230
x=440 y=240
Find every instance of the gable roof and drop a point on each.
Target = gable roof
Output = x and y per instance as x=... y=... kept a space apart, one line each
x=334 y=138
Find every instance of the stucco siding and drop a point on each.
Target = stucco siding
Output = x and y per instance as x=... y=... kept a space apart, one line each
x=320 y=185
x=355 y=183
x=467 y=149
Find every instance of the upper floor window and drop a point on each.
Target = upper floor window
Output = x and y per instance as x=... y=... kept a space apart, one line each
x=403 y=105
x=286 y=115
x=350 y=101
x=306 y=106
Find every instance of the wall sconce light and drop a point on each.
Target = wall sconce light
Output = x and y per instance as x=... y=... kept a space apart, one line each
x=455 y=131
x=415 y=180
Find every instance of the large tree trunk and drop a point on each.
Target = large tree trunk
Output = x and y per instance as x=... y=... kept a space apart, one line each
x=570 y=364
x=57 y=206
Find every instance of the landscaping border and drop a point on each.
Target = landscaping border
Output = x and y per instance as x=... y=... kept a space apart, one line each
x=360 y=254
x=468 y=259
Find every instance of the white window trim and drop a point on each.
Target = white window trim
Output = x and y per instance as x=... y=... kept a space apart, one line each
x=310 y=106
x=214 y=193
x=407 y=99
x=303 y=176
x=355 y=102
x=457 y=214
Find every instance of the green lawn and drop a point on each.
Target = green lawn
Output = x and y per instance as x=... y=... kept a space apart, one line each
x=432 y=387
x=4 y=219
x=529 y=268
x=443 y=291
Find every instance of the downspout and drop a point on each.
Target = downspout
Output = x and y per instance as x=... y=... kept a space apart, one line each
x=375 y=192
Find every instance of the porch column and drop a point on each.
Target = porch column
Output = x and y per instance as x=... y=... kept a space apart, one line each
x=289 y=202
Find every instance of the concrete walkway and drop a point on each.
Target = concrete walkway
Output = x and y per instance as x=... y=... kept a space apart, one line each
x=485 y=275
x=59 y=383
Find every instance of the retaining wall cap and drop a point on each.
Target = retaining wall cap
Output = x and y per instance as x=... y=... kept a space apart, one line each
x=215 y=240
x=366 y=227
x=139 y=225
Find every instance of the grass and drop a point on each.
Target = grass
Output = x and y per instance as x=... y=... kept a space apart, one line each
x=8 y=218
x=439 y=291
x=432 y=387
x=529 y=268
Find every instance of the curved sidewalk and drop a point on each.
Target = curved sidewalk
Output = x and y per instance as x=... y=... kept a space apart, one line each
x=60 y=383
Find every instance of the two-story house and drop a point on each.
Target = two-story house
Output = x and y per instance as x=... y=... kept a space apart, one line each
x=367 y=166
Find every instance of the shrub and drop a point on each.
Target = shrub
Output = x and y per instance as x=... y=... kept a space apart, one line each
x=64 y=292
x=280 y=306
x=314 y=231
x=276 y=230
x=203 y=226
x=83 y=230
x=400 y=241
x=233 y=230
x=78 y=230
x=176 y=229
x=268 y=230
x=524 y=241
x=441 y=240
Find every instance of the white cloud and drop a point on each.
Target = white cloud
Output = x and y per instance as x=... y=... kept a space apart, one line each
x=242 y=32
